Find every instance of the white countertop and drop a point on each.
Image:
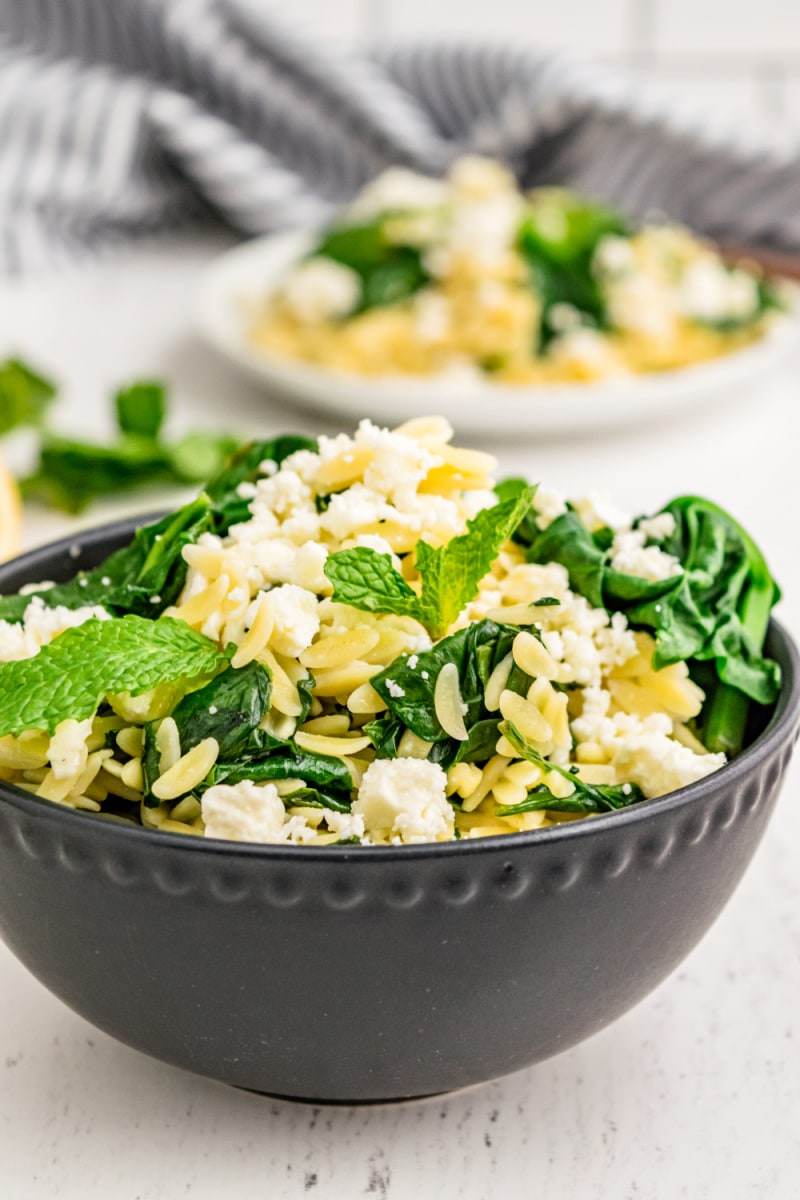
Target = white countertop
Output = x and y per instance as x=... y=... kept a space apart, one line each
x=695 y=1094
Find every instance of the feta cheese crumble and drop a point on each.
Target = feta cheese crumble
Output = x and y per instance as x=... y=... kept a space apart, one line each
x=404 y=799
x=322 y=290
x=243 y=812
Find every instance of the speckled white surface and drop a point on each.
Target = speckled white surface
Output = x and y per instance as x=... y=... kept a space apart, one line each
x=695 y=1094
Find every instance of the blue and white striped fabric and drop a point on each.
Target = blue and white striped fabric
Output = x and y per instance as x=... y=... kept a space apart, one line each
x=127 y=118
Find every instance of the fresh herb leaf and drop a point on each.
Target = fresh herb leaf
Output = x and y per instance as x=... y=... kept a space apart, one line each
x=450 y=574
x=586 y=798
x=367 y=580
x=71 y=473
x=141 y=409
x=24 y=395
x=70 y=676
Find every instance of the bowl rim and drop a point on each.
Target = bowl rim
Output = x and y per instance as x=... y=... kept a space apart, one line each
x=779 y=730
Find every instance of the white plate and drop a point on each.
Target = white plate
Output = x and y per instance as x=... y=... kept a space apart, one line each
x=236 y=283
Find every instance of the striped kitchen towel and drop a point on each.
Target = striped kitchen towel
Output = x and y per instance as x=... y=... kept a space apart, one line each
x=127 y=118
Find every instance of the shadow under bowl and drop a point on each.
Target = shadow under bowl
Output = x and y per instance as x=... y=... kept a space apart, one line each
x=365 y=973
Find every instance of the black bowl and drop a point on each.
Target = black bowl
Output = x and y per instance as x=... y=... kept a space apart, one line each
x=367 y=974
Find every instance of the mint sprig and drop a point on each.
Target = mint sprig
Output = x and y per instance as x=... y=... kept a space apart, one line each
x=70 y=676
x=450 y=574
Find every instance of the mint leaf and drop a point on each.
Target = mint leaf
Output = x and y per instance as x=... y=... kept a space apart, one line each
x=451 y=573
x=367 y=580
x=24 y=395
x=70 y=676
x=141 y=409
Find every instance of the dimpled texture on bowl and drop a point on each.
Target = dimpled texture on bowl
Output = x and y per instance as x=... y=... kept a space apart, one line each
x=366 y=974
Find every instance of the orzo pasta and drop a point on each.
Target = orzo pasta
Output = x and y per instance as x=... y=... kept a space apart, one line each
x=471 y=276
x=365 y=640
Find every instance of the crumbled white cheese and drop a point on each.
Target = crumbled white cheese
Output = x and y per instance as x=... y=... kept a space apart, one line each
x=68 y=751
x=296 y=618
x=308 y=568
x=398 y=190
x=39 y=625
x=404 y=798
x=589 y=350
x=394 y=689
x=631 y=556
x=564 y=317
x=614 y=255
x=641 y=303
x=243 y=812
x=432 y=315
x=641 y=747
x=658 y=528
x=345 y=825
x=481 y=230
x=322 y=290
x=709 y=291
x=548 y=504
x=597 y=511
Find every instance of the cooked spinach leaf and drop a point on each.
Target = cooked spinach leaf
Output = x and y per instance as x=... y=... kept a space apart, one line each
x=229 y=708
x=144 y=577
x=408 y=691
x=716 y=610
x=389 y=272
x=586 y=798
x=558 y=239
x=286 y=762
x=318 y=798
x=243 y=467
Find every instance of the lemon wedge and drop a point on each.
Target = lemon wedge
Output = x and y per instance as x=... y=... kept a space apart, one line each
x=10 y=514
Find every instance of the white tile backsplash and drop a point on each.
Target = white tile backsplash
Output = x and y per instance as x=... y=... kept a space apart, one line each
x=734 y=95
x=339 y=20
x=726 y=27
x=738 y=57
x=587 y=26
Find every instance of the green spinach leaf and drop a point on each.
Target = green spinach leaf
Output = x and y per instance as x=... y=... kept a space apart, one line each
x=586 y=798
